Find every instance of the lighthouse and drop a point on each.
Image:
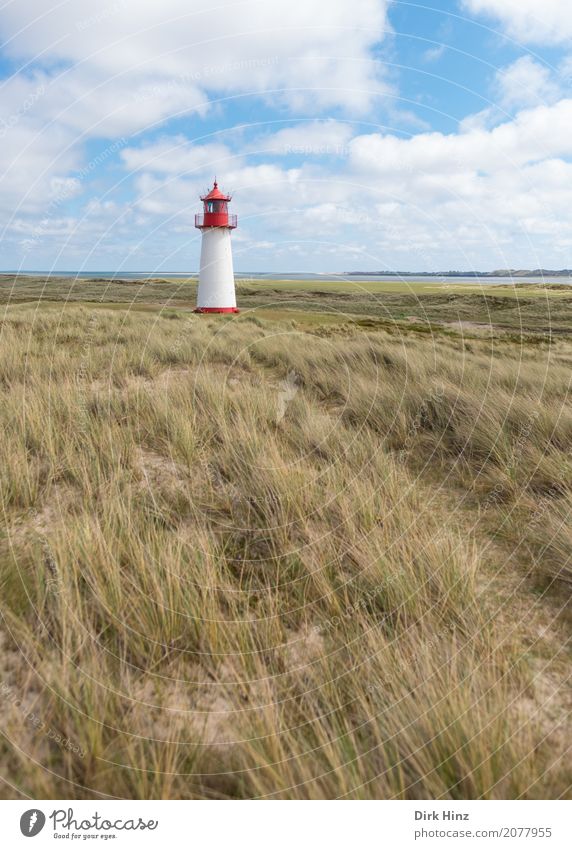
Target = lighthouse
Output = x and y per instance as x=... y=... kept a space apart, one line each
x=216 y=276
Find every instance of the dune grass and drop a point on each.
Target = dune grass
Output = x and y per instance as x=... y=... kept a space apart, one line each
x=420 y=305
x=245 y=558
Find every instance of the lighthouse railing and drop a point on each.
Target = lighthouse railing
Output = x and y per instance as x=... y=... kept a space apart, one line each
x=216 y=219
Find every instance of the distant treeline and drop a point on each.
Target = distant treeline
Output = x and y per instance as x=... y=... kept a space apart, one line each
x=500 y=272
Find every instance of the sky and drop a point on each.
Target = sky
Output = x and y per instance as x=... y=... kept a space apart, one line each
x=352 y=134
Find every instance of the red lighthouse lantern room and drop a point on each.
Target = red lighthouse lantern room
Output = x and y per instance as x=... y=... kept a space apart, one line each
x=215 y=212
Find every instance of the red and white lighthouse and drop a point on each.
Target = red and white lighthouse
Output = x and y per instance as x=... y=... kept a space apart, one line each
x=216 y=276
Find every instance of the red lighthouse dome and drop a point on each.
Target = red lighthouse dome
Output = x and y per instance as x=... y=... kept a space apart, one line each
x=215 y=210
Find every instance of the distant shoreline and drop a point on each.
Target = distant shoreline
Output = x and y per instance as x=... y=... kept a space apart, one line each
x=508 y=273
x=503 y=272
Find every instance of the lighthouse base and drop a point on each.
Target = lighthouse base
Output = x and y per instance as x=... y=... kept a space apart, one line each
x=216 y=309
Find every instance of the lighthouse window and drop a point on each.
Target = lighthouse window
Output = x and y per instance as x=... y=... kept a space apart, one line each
x=216 y=206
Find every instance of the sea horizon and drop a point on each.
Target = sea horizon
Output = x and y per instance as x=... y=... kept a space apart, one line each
x=488 y=278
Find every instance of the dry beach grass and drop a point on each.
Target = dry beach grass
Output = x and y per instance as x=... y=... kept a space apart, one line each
x=248 y=558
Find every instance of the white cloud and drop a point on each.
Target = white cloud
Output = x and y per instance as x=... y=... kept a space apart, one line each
x=565 y=69
x=433 y=54
x=311 y=138
x=526 y=82
x=177 y=155
x=109 y=71
x=483 y=198
x=506 y=188
x=310 y=54
x=105 y=71
x=34 y=166
x=534 y=134
x=528 y=20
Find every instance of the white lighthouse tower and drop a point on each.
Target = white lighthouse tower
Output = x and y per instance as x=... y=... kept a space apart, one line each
x=216 y=277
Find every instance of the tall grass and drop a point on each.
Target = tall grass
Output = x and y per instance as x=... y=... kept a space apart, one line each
x=244 y=561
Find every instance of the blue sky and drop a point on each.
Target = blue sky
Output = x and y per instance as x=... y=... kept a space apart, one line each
x=354 y=134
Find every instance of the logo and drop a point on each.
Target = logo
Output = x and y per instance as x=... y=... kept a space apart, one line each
x=32 y=822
